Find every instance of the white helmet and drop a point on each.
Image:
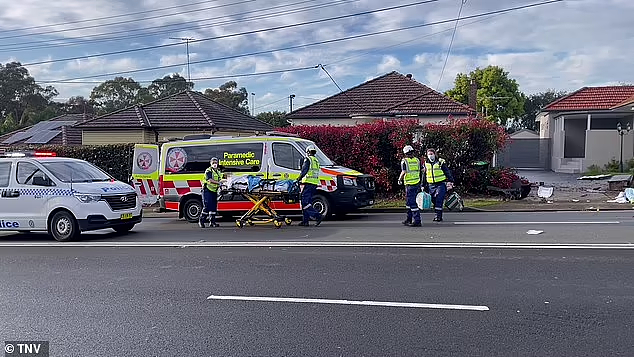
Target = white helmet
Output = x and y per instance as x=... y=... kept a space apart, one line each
x=407 y=148
x=310 y=149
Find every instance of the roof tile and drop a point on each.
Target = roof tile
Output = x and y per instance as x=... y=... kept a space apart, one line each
x=390 y=94
x=184 y=110
x=592 y=98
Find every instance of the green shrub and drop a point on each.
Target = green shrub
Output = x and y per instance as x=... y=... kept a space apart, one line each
x=630 y=164
x=595 y=170
x=613 y=166
x=115 y=159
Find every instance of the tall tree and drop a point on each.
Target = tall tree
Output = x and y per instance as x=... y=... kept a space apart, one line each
x=8 y=125
x=19 y=93
x=78 y=105
x=169 y=85
x=533 y=105
x=116 y=94
x=499 y=96
x=229 y=95
x=276 y=118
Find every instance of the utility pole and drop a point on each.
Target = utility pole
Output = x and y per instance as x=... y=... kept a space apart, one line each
x=252 y=104
x=187 y=40
x=291 y=97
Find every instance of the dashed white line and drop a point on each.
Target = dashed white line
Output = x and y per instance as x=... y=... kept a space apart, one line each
x=349 y=302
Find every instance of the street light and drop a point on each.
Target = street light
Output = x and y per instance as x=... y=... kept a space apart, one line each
x=291 y=97
x=252 y=104
x=486 y=112
x=622 y=133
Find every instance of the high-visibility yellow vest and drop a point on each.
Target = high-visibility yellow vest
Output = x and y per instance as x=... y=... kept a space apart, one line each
x=312 y=176
x=216 y=175
x=434 y=172
x=412 y=174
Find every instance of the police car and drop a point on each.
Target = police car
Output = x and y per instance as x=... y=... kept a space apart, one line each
x=62 y=196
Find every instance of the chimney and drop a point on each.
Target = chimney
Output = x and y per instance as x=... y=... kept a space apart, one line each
x=409 y=75
x=473 y=95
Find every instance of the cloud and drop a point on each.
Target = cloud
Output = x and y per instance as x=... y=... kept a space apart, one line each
x=389 y=63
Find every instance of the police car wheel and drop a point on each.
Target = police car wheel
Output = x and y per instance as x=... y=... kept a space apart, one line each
x=63 y=227
x=322 y=205
x=192 y=209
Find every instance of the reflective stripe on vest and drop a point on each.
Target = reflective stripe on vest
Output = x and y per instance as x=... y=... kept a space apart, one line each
x=434 y=172
x=412 y=175
x=215 y=175
x=312 y=176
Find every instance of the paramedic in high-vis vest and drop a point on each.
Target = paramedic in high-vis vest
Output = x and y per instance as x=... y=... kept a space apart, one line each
x=211 y=183
x=438 y=179
x=309 y=178
x=411 y=177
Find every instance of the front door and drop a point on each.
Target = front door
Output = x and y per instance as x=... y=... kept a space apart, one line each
x=288 y=160
x=36 y=189
x=8 y=198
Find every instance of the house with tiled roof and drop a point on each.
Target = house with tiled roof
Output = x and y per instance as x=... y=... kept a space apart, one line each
x=582 y=127
x=392 y=96
x=56 y=131
x=172 y=117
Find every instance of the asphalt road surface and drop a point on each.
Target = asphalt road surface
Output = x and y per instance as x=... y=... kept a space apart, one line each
x=154 y=301
x=555 y=227
x=172 y=289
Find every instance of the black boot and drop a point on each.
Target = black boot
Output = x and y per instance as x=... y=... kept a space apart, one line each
x=407 y=222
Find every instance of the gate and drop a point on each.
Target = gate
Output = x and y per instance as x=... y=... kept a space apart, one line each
x=526 y=153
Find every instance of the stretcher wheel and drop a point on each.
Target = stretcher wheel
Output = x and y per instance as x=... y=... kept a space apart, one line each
x=239 y=224
x=250 y=222
x=288 y=221
x=277 y=224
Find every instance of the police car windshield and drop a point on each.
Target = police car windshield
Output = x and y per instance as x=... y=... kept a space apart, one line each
x=321 y=157
x=77 y=171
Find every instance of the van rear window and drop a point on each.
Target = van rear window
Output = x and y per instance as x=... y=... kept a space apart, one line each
x=239 y=157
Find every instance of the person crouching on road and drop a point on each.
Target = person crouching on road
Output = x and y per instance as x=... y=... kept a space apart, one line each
x=309 y=177
x=410 y=176
x=438 y=179
x=211 y=183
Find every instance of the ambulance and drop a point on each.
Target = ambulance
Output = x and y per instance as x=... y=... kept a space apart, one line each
x=62 y=196
x=172 y=177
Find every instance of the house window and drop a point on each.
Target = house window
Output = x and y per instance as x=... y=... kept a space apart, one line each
x=286 y=156
x=5 y=173
x=609 y=123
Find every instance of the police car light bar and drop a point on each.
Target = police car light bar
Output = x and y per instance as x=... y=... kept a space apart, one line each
x=31 y=154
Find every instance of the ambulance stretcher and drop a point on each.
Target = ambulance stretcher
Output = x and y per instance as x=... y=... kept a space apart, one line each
x=261 y=200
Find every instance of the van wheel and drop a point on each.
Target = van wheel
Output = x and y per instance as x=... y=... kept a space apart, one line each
x=192 y=209
x=63 y=227
x=322 y=205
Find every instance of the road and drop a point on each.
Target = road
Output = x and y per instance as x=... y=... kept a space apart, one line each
x=557 y=227
x=146 y=300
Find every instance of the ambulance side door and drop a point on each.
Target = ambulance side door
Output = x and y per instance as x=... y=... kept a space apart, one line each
x=145 y=173
x=287 y=159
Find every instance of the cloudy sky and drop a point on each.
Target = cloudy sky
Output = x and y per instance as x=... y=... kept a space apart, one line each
x=564 y=45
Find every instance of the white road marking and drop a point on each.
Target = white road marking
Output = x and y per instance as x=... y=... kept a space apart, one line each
x=351 y=302
x=533 y=223
x=318 y=244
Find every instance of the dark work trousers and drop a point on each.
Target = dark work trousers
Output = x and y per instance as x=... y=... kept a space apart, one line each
x=308 y=211
x=210 y=205
x=413 y=212
x=438 y=191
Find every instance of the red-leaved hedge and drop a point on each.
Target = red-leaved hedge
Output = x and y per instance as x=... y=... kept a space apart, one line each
x=375 y=148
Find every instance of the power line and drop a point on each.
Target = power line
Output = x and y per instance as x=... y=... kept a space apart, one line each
x=314 y=43
x=127 y=21
x=108 y=17
x=462 y=2
x=95 y=38
x=277 y=101
x=237 y=34
x=341 y=90
x=296 y=69
x=409 y=41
